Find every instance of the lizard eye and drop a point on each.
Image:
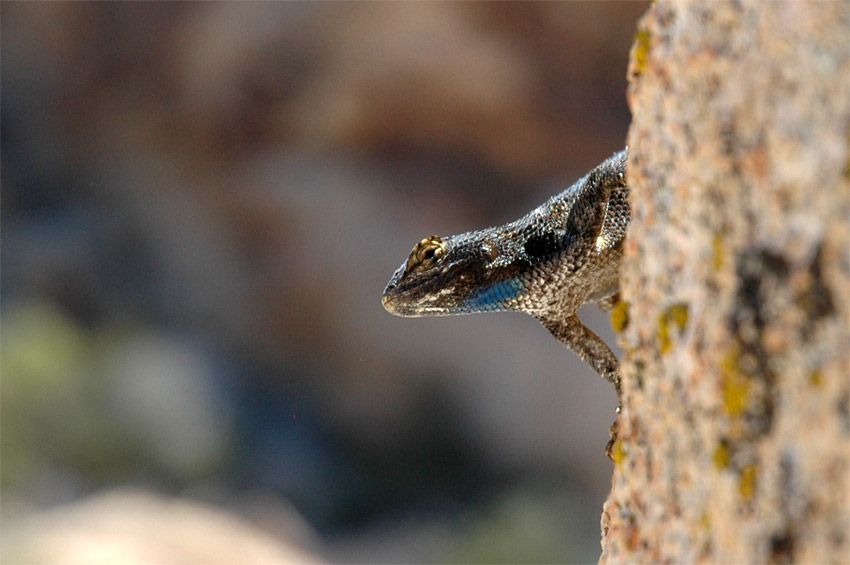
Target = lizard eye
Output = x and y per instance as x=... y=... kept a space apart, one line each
x=426 y=254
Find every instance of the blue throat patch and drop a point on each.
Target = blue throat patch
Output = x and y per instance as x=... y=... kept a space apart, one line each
x=494 y=297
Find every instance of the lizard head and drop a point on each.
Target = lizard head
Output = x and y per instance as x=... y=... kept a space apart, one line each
x=453 y=275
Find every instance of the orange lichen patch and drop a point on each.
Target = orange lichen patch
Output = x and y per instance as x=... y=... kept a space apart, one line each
x=633 y=537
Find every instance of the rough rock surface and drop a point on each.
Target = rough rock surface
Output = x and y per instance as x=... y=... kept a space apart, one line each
x=734 y=436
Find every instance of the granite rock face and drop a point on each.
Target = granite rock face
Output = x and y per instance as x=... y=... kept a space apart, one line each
x=734 y=437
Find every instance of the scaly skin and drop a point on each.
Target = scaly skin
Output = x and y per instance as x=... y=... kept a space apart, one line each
x=561 y=255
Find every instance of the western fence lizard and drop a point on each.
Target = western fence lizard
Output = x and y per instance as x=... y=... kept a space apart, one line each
x=561 y=255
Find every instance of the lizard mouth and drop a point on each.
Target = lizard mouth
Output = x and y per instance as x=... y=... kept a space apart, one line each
x=396 y=298
x=393 y=297
x=409 y=299
x=394 y=303
x=389 y=304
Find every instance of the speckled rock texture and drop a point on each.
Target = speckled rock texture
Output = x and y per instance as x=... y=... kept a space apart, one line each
x=734 y=439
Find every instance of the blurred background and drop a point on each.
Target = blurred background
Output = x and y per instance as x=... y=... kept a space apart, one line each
x=201 y=204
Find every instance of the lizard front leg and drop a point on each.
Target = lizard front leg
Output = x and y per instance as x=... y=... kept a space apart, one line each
x=593 y=351
x=587 y=345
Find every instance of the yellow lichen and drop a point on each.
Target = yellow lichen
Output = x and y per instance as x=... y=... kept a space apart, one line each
x=620 y=316
x=816 y=378
x=722 y=456
x=748 y=480
x=735 y=386
x=641 y=50
x=676 y=315
x=618 y=454
x=719 y=252
x=664 y=343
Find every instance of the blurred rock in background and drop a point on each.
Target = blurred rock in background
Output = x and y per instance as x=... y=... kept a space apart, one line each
x=135 y=527
x=201 y=204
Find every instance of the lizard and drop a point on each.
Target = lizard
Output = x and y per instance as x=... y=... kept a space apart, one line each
x=561 y=255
